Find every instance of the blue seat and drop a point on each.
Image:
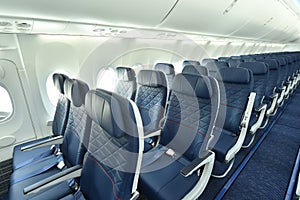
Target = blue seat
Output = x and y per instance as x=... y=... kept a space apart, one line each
x=169 y=171
x=151 y=98
x=168 y=70
x=223 y=59
x=234 y=62
x=273 y=82
x=22 y=157
x=214 y=67
x=236 y=85
x=126 y=85
x=195 y=69
x=112 y=163
x=69 y=151
x=204 y=61
x=190 y=62
x=260 y=73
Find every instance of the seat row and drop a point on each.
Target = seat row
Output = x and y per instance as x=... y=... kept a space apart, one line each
x=107 y=146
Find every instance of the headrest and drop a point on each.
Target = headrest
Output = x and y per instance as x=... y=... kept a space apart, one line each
x=152 y=78
x=125 y=74
x=234 y=75
x=257 y=68
x=58 y=81
x=215 y=65
x=167 y=68
x=289 y=59
x=190 y=62
x=204 y=61
x=192 y=85
x=110 y=111
x=273 y=64
x=195 y=69
x=281 y=61
x=234 y=62
x=223 y=59
x=75 y=90
x=235 y=57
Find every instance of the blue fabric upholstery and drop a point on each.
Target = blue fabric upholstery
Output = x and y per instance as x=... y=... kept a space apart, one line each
x=151 y=98
x=261 y=75
x=273 y=80
x=235 y=87
x=110 y=164
x=76 y=134
x=190 y=117
x=195 y=69
x=126 y=85
x=223 y=59
x=234 y=62
x=168 y=70
x=109 y=170
x=21 y=158
x=214 y=67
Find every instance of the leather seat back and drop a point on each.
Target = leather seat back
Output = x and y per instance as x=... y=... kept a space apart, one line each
x=168 y=70
x=235 y=86
x=62 y=107
x=113 y=160
x=273 y=80
x=191 y=114
x=78 y=126
x=126 y=85
x=151 y=98
x=261 y=75
x=195 y=69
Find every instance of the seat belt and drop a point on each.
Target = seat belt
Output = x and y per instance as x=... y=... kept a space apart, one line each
x=53 y=150
x=154 y=154
x=46 y=165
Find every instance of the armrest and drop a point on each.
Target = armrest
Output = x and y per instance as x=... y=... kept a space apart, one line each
x=154 y=133
x=261 y=107
x=65 y=175
x=262 y=111
x=298 y=186
x=274 y=95
x=196 y=164
x=47 y=142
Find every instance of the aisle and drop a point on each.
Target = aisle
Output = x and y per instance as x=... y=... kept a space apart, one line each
x=267 y=174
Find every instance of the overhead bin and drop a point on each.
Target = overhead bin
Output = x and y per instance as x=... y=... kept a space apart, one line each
x=253 y=19
x=118 y=12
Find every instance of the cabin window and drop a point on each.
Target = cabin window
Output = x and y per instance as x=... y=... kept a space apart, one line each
x=6 y=106
x=107 y=79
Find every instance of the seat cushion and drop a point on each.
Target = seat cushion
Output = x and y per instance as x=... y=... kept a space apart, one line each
x=161 y=181
x=224 y=144
x=22 y=157
x=16 y=190
x=34 y=168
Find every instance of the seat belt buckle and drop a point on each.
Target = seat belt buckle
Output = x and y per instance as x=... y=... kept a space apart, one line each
x=171 y=152
x=61 y=164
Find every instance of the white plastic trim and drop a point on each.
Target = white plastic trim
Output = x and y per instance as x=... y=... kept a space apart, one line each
x=281 y=97
x=272 y=108
x=245 y=121
x=259 y=121
x=203 y=180
x=74 y=174
x=140 y=128
x=298 y=187
x=48 y=142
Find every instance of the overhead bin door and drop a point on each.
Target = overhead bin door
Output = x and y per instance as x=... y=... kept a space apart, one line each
x=15 y=123
x=117 y=12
